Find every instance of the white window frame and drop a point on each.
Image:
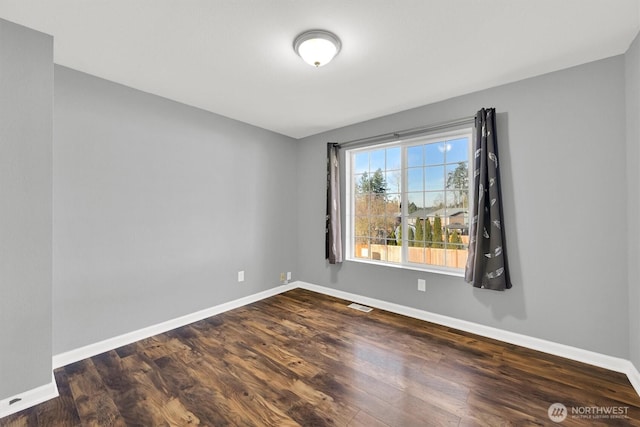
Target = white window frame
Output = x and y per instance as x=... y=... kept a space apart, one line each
x=350 y=199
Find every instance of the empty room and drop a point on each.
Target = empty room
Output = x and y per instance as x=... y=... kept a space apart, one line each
x=319 y=213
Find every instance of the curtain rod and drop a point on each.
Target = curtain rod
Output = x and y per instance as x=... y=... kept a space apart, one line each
x=392 y=136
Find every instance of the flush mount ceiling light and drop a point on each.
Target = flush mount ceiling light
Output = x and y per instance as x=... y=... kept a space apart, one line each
x=317 y=47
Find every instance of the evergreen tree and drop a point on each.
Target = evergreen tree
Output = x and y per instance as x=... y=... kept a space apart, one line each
x=456 y=240
x=391 y=239
x=419 y=233
x=410 y=232
x=374 y=184
x=458 y=183
x=428 y=232
x=437 y=232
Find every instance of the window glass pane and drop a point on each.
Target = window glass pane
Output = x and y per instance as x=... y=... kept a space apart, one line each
x=436 y=239
x=457 y=228
x=377 y=204
x=393 y=205
x=458 y=150
x=390 y=223
x=416 y=240
x=361 y=163
x=376 y=160
x=427 y=230
x=361 y=204
x=361 y=228
x=394 y=181
x=458 y=185
x=378 y=229
x=434 y=153
x=411 y=230
x=415 y=254
x=361 y=248
x=393 y=158
x=414 y=156
x=434 y=177
x=434 y=200
x=357 y=179
x=415 y=180
x=416 y=202
x=372 y=183
x=420 y=236
x=395 y=231
x=394 y=252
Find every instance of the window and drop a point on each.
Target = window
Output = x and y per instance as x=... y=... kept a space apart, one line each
x=408 y=202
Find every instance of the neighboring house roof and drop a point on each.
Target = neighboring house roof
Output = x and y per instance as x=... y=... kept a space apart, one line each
x=422 y=213
x=457 y=226
x=442 y=213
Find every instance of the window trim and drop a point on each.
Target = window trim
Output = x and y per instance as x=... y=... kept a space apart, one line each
x=349 y=186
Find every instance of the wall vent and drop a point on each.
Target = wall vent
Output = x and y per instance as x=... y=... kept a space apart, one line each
x=359 y=307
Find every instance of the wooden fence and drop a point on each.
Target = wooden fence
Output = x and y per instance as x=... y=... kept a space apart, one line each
x=454 y=258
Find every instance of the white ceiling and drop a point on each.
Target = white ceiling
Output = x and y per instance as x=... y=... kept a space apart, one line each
x=235 y=57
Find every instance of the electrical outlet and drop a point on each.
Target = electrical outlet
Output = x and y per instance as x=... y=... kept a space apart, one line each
x=282 y=277
x=422 y=285
x=241 y=276
x=288 y=275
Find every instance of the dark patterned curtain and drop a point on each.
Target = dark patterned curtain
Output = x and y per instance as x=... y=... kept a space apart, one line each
x=333 y=230
x=487 y=263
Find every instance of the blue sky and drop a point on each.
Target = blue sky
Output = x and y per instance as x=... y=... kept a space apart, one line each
x=428 y=167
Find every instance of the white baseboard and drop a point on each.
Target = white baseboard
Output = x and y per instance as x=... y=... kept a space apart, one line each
x=91 y=350
x=585 y=356
x=49 y=391
x=29 y=398
x=634 y=377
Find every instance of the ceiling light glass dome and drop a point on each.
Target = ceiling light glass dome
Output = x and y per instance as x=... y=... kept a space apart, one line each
x=317 y=47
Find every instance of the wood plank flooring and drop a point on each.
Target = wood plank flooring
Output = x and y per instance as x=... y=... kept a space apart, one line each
x=302 y=358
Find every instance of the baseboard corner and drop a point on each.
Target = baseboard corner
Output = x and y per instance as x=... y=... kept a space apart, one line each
x=90 y=350
x=634 y=377
x=29 y=398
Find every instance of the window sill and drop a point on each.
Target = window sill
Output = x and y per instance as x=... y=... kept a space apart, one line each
x=426 y=269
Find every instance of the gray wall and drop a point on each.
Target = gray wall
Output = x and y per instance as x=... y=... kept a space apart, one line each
x=26 y=92
x=157 y=206
x=563 y=146
x=632 y=74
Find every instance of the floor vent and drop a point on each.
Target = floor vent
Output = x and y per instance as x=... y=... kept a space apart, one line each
x=359 y=307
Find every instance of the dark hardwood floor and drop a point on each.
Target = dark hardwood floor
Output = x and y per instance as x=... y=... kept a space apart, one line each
x=302 y=358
